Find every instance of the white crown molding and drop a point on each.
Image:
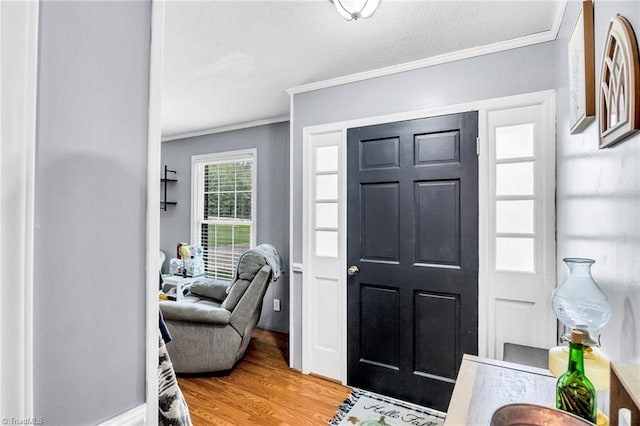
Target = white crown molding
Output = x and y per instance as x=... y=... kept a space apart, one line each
x=557 y=20
x=228 y=128
x=515 y=43
x=18 y=89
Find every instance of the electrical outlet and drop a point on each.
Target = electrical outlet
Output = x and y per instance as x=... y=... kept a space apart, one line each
x=276 y=305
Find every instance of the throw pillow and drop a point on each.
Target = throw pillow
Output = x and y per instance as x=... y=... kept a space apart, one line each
x=211 y=289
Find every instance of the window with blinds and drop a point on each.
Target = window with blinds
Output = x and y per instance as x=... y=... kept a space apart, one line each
x=224 y=200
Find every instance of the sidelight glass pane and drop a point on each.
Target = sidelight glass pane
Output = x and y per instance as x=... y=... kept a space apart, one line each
x=514 y=216
x=515 y=254
x=326 y=215
x=327 y=243
x=327 y=187
x=514 y=179
x=327 y=159
x=514 y=141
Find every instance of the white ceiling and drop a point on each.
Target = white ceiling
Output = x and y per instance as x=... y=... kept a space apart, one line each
x=230 y=62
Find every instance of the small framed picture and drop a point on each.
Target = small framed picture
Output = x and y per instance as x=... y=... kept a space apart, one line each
x=582 y=92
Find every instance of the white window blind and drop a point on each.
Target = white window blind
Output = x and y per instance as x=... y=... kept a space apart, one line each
x=223 y=215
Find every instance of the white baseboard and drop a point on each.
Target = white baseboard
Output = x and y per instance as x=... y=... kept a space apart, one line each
x=133 y=417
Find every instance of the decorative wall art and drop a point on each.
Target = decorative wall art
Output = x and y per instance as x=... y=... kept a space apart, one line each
x=618 y=100
x=582 y=91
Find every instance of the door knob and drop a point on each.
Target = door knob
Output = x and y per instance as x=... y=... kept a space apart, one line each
x=353 y=270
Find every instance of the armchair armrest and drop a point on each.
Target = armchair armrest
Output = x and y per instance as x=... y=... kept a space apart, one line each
x=194 y=312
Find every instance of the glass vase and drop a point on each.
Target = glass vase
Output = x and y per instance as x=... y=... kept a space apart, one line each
x=579 y=303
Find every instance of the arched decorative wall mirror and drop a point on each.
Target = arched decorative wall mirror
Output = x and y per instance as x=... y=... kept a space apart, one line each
x=619 y=84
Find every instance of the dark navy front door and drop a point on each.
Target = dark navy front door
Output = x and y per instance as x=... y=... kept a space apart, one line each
x=412 y=224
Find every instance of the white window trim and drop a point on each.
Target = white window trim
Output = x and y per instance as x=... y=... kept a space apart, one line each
x=197 y=199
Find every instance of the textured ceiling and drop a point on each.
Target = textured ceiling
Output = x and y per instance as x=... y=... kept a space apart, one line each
x=230 y=62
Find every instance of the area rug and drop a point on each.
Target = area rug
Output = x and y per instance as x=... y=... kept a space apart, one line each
x=364 y=408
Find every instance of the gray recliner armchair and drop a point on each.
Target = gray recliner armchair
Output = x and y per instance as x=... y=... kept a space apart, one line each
x=211 y=327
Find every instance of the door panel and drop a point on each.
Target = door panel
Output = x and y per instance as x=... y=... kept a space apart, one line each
x=380 y=334
x=437 y=147
x=412 y=224
x=380 y=222
x=438 y=222
x=430 y=311
x=381 y=153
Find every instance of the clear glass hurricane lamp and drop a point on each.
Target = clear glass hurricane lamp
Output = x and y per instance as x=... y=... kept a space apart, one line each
x=579 y=303
x=356 y=9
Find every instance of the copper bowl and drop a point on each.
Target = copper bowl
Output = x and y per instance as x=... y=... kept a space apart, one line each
x=534 y=415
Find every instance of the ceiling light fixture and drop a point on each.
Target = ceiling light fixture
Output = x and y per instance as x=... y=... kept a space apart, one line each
x=356 y=9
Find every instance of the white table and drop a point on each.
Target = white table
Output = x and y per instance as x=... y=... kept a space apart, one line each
x=484 y=385
x=180 y=283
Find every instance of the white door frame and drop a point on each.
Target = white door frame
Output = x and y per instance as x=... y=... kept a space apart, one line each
x=18 y=82
x=153 y=207
x=546 y=97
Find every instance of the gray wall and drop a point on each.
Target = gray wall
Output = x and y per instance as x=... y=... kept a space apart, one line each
x=91 y=162
x=506 y=73
x=272 y=220
x=598 y=197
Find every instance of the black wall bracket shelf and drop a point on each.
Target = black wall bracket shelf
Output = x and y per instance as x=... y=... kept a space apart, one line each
x=165 y=180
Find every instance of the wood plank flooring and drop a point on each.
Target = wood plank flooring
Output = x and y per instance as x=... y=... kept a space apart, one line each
x=262 y=390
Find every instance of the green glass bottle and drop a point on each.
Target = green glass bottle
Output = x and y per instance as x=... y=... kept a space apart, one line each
x=574 y=391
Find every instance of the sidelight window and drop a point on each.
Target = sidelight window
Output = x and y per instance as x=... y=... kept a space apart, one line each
x=326 y=200
x=515 y=197
x=520 y=225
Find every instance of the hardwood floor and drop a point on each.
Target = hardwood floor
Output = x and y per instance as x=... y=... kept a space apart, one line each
x=262 y=390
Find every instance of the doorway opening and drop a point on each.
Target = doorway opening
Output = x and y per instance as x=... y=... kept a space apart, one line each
x=500 y=306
